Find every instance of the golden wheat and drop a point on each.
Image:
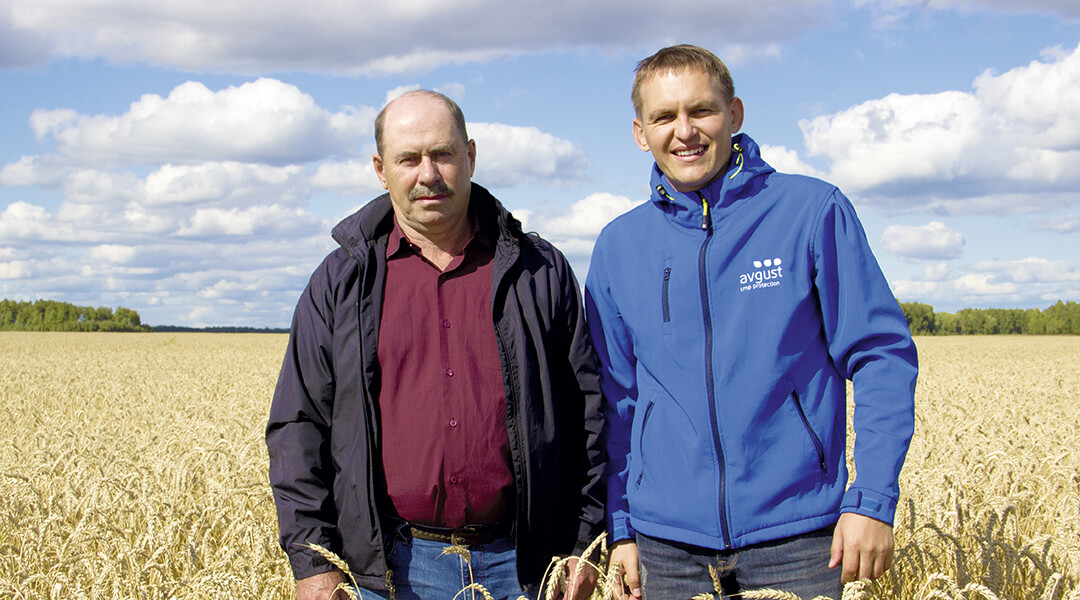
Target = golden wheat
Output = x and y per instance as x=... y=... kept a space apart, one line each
x=133 y=466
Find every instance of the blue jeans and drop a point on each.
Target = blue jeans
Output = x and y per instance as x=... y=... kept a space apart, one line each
x=423 y=572
x=798 y=564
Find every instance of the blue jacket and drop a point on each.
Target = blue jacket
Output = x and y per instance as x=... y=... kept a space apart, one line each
x=727 y=322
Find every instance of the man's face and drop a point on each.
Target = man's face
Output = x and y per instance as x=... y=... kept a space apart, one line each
x=425 y=165
x=687 y=124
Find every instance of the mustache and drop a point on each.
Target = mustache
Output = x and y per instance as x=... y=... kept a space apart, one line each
x=439 y=189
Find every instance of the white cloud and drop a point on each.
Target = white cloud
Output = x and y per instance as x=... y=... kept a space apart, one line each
x=112 y=253
x=229 y=183
x=257 y=220
x=787 y=161
x=933 y=241
x=1060 y=224
x=507 y=155
x=585 y=218
x=1028 y=282
x=938 y=272
x=353 y=177
x=15 y=269
x=890 y=14
x=574 y=230
x=261 y=121
x=321 y=35
x=1013 y=137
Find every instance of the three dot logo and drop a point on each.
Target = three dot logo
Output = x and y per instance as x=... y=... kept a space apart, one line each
x=768 y=262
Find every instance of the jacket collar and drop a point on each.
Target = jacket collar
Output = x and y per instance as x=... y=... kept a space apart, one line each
x=740 y=181
x=374 y=221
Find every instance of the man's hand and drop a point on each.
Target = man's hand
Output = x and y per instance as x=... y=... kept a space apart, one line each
x=625 y=555
x=582 y=587
x=863 y=545
x=321 y=587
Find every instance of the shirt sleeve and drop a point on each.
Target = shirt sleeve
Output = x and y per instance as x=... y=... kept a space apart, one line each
x=870 y=344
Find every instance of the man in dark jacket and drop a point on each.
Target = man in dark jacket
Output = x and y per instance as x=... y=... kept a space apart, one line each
x=439 y=387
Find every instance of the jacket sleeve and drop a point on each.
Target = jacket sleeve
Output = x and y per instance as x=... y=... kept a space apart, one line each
x=586 y=369
x=298 y=433
x=618 y=379
x=870 y=344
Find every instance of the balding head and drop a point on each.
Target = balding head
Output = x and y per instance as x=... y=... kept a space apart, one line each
x=456 y=116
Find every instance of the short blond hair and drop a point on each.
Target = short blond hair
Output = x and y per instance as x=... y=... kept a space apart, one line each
x=675 y=59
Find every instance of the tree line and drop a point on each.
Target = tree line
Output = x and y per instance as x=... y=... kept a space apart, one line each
x=1061 y=318
x=50 y=315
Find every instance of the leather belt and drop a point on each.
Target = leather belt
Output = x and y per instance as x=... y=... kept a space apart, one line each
x=469 y=535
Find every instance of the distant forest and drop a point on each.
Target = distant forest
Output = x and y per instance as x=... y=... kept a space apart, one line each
x=50 y=315
x=1061 y=318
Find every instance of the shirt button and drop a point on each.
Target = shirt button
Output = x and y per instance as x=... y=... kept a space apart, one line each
x=446 y=324
x=453 y=479
x=453 y=422
x=449 y=372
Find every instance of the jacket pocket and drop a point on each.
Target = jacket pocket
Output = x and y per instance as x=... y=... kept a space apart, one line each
x=641 y=442
x=818 y=447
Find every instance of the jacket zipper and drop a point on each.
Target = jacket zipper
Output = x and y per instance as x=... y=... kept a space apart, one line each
x=810 y=430
x=664 y=298
x=710 y=386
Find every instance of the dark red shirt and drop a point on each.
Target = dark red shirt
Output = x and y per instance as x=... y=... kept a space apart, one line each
x=445 y=449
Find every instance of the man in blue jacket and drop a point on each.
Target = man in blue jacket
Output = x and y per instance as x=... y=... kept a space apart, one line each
x=728 y=313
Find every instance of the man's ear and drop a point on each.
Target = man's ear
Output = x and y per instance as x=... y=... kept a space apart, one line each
x=472 y=157
x=737 y=114
x=376 y=160
x=639 y=135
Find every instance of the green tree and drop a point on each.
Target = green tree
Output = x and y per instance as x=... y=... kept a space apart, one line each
x=920 y=317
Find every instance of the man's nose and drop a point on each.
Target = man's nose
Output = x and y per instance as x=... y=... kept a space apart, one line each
x=429 y=171
x=684 y=127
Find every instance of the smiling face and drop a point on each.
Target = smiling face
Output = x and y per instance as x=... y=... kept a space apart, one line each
x=687 y=124
x=427 y=166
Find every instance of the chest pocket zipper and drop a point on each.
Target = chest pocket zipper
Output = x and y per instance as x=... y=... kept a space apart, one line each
x=664 y=295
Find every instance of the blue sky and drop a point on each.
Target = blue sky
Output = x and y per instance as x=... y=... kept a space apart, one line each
x=187 y=158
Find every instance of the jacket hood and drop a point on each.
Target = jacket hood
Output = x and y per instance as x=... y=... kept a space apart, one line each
x=362 y=228
x=744 y=177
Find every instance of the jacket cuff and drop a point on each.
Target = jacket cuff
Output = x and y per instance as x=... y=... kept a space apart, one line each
x=619 y=529
x=870 y=504
x=308 y=563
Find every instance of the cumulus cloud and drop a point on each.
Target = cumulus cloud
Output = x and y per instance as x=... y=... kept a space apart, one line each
x=574 y=229
x=1015 y=135
x=320 y=35
x=228 y=183
x=933 y=241
x=787 y=161
x=509 y=155
x=265 y=121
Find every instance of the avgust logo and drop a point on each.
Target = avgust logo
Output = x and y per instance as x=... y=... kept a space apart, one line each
x=766 y=273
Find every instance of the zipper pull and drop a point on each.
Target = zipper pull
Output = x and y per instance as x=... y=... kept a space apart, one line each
x=706 y=218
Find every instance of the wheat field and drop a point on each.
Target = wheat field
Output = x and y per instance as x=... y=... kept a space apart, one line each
x=133 y=466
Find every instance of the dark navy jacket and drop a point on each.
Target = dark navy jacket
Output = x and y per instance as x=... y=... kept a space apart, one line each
x=322 y=432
